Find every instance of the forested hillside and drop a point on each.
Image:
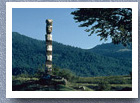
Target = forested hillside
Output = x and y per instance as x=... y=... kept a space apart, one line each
x=28 y=55
x=115 y=51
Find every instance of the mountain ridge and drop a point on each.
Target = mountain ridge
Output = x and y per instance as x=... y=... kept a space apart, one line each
x=113 y=50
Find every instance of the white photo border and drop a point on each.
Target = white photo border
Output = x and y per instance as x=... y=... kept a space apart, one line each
x=71 y=94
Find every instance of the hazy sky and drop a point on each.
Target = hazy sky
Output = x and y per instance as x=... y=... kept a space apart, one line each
x=31 y=22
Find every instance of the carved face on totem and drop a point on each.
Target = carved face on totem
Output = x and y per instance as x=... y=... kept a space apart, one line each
x=49 y=29
x=49 y=26
x=49 y=22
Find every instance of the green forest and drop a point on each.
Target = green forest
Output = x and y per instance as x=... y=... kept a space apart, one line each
x=28 y=56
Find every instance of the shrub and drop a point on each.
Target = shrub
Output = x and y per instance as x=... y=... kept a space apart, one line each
x=104 y=85
x=65 y=73
x=40 y=73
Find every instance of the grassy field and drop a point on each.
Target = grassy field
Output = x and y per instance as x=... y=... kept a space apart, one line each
x=108 y=83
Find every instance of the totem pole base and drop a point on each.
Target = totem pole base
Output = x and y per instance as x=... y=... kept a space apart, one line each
x=49 y=79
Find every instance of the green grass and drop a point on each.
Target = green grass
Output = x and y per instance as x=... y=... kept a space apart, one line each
x=108 y=83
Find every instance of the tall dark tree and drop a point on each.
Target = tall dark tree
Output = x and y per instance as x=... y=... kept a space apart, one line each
x=105 y=22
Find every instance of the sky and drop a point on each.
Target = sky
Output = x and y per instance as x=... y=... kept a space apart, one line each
x=31 y=22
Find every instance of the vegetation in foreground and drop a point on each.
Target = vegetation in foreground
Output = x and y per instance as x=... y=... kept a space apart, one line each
x=25 y=82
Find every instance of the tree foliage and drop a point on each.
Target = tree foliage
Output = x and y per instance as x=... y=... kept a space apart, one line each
x=65 y=73
x=113 y=22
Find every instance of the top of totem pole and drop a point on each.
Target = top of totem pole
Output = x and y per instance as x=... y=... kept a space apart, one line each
x=49 y=22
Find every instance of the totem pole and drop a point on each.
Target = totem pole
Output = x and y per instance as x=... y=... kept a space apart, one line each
x=48 y=37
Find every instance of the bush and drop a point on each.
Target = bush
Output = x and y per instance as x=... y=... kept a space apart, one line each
x=104 y=85
x=40 y=73
x=55 y=71
x=65 y=73
x=23 y=75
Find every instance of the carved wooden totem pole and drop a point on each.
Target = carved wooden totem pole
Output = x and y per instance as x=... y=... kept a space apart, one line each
x=48 y=37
